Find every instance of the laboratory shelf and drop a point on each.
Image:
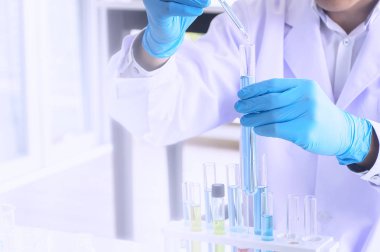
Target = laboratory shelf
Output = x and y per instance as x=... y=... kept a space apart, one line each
x=175 y=232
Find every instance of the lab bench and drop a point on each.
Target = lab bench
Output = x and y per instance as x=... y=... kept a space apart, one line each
x=33 y=239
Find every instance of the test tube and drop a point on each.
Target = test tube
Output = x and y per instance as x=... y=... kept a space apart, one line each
x=209 y=178
x=186 y=211
x=218 y=214
x=247 y=147
x=195 y=207
x=235 y=211
x=235 y=201
x=261 y=176
x=185 y=203
x=267 y=216
x=292 y=219
x=310 y=218
x=248 y=201
x=195 y=213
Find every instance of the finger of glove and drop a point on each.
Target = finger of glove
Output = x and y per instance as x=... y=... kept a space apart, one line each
x=177 y=9
x=268 y=102
x=193 y=3
x=285 y=114
x=283 y=130
x=266 y=87
x=291 y=131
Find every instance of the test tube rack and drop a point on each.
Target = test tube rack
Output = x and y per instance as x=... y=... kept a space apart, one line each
x=176 y=231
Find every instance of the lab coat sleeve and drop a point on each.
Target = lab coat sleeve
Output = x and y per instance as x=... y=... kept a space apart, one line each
x=131 y=86
x=192 y=93
x=373 y=175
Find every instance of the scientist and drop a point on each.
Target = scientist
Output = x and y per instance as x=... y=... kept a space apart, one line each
x=316 y=106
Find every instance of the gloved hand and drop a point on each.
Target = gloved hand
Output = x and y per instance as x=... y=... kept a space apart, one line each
x=167 y=24
x=298 y=110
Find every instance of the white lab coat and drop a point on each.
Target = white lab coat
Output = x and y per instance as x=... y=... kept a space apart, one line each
x=196 y=90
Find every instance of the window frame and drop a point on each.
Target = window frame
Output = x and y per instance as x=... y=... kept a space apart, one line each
x=41 y=155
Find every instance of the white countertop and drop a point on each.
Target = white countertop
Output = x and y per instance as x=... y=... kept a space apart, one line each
x=42 y=240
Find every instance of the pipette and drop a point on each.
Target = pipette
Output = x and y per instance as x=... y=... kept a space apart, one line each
x=233 y=17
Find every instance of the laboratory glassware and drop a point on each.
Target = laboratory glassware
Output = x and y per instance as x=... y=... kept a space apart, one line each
x=218 y=214
x=235 y=201
x=195 y=206
x=195 y=213
x=234 y=18
x=174 y=232
x=185 y=203
x=310 y=218
x=261 y=187
x=267 y=216
x=209 y=178
x=292 y=218
x=234 y=193
x=247 y=148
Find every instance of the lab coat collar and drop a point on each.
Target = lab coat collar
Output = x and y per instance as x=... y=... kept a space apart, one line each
x=304 y=38
x=367 y=23
x=303 y=50
x=374 y=14
x=366 y=69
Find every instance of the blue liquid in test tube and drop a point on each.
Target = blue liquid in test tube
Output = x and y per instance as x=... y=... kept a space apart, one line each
x=267 y=227
x=257 y=209
x=267 y=217
x=208 y=216
x=248 y=150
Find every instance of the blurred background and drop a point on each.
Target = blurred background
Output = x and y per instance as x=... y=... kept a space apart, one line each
x=64 y=164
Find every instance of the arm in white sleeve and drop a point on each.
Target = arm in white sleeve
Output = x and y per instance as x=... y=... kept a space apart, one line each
x=192 y=93
x=130 y=88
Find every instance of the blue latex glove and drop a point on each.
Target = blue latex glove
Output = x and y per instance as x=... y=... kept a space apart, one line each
x=167 y=24
x=298 y=110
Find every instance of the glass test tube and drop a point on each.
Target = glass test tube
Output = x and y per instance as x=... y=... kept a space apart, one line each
x=186 y=211
x=195 y=206
x=235 y=201
x=247 y=147
x=292 y=218
x=218 y=214
x=195 y=213
x=235 y=211
x=267 y=216
x=209 y=178
x=185 y=203
x=310 y=218
x=248 y=216
x=262 y=184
